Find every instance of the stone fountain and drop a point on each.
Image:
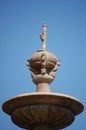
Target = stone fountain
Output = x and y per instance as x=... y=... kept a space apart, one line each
x=43 y=110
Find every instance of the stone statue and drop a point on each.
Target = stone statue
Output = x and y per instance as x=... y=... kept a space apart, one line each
x=43 y=37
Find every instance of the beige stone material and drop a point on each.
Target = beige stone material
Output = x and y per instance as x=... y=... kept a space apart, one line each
x=43 y=65
x=43 y=36
x=43 y=110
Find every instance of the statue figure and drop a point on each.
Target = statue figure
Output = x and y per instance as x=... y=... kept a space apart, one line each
x=43 y=37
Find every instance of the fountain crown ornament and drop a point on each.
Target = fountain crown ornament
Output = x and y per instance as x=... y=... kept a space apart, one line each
x=43 y=65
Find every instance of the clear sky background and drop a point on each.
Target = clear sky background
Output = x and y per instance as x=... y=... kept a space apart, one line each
x=20 y=26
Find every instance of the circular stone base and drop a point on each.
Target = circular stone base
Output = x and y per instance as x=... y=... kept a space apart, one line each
x=42 y=111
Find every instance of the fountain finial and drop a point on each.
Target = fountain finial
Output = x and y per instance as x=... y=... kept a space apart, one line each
x=43 y=36
x=43 y=110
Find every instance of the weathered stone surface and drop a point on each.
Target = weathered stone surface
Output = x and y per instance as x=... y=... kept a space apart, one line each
x=43 y=65
x=36 y=111
x=43 y=36
x=43 y=110
x=32 y=116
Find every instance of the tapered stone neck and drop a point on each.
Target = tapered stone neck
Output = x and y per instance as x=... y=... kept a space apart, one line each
x=43 y=87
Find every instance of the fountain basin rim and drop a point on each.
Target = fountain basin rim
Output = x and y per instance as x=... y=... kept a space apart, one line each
x=45 y=98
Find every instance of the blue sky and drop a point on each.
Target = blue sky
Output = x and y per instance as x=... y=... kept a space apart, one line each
x=20 y=26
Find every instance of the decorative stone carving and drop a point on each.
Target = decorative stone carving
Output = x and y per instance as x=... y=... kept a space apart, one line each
x=43 y=65
x=43 y=37
x=43 y=110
